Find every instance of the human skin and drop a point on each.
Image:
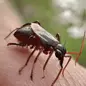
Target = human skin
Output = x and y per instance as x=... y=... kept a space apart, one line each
x=12 y=58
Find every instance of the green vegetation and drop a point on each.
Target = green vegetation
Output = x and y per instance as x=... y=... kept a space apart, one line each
x=43 y=11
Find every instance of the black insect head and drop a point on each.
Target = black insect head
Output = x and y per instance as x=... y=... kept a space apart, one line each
x=60 y=52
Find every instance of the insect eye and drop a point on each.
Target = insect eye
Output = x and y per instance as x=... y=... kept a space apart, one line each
x=58 y=54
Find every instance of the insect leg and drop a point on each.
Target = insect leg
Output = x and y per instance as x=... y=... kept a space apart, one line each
x=78 y=53
x=74 y=53
x=11 y=33
x=66 y=64
x=82 y=46
x=20 y=44
x=58 y=37
x=61 y=64
x=46 y=63
x=56 y=77
x=31 y=76
x=26 y=24
x=37 y=22
x=20 y=70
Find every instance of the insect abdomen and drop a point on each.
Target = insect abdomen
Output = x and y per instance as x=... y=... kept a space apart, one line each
x=23 y=34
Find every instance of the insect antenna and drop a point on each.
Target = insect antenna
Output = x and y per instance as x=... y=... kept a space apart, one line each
x=64 y=43
x=10 y=33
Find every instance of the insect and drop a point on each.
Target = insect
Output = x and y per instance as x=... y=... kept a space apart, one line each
x=33 y=35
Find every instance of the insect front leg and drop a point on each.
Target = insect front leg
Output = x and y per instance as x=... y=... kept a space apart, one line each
x=66 y=64
x=61 y=64
x=46 y=63
x=20 y=70
x=80 y=51
x=31 y=76
x=56 y=77
x=82 y=46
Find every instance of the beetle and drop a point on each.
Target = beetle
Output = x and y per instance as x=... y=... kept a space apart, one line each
x=35 y=36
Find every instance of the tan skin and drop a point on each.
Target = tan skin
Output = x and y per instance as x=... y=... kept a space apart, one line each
x=12 y=58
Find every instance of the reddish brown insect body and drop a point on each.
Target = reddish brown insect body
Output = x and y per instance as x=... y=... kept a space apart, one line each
x=32 y=34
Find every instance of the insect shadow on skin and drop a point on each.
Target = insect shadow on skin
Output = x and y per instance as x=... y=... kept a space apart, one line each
x=33 y=35
x=18 y=50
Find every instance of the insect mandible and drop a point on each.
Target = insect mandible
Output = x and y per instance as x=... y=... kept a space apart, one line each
x=33 y=35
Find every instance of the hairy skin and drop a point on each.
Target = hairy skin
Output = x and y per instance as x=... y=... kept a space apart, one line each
x=13 y=57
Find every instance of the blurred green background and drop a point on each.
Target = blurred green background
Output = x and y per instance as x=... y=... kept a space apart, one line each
x=49 y=12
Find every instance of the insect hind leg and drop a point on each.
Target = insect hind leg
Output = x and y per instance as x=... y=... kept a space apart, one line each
x=20 y=70
x=17 y=44
x=46 y=63
x=31 y=76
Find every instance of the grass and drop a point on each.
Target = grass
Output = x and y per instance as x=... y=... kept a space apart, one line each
x=42 y=10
